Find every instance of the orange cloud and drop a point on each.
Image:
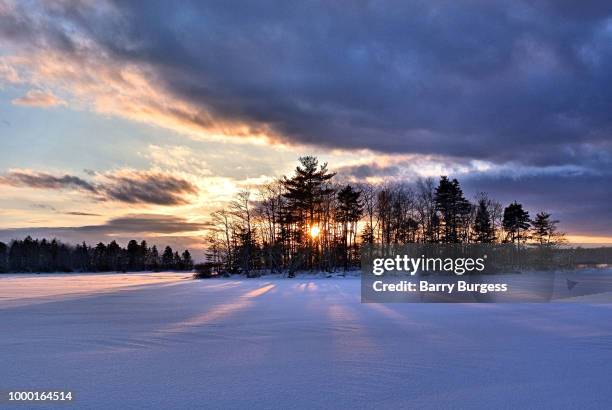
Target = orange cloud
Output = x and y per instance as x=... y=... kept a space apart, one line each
x=98 y=83
x=39 y=98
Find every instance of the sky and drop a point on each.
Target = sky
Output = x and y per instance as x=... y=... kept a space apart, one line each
x=130 y=119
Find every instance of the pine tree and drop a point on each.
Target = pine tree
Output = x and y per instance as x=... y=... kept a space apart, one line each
x=114 y=255
x=133 y=255
x=305 y=193
x=348 y=212
x=516 y=223
x=143 y=256
x=187 y=262
x=545 y=230
x=483 y=227
x=177 y=262
x=154 y=261
x=168 y=258
x=3 y=257
x=452 y=206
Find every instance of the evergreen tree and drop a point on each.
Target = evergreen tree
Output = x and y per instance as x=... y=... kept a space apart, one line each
x=483 y=227
x=81 y=258
x=153 y=259
x=114 y=257
x=348 y=213
x=305 y=193
x=545 y=229
x=367 y=235
x=3 y=257
x=168 y=258
x=187 y=261
x=143 y=256
x=133 y=255
x=177 y=262
x=100 y=259
x=516 y=223
x=452 y=206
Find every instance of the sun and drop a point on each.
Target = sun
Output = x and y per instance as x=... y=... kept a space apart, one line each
x=314 y=231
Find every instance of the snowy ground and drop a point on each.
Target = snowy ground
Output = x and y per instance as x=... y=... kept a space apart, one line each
x=163 y=341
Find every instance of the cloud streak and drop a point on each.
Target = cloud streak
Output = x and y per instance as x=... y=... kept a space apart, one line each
x=39 y=98
x=133 y=187
x=42 y=180
x=131 y=224
x=147 y=188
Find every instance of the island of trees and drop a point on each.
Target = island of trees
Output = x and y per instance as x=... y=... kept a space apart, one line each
x=308 y=221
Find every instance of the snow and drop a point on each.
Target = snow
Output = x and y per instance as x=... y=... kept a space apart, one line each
x=164 y=341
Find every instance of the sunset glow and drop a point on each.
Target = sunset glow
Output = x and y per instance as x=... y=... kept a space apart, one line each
x=314 y=231
x=94 y=132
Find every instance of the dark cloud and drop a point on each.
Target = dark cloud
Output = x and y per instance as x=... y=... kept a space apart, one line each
x=147 y=223
x=127 y=186
x=489 y=80
x=74 y=213
x=46 y=181
x=368 y=170
x=148 y=188
x=130 y=224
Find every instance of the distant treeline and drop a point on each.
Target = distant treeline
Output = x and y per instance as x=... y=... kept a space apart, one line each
x=34 y=255
x=310 y=221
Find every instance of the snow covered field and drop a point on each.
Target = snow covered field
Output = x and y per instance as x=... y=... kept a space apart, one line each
x=163 y=341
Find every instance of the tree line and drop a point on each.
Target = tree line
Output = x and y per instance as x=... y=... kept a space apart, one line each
x=34 y=255
x=308 y=221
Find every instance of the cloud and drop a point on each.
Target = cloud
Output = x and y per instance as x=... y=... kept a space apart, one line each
x=147 y=187
x=38 y=98
x=76 y=213
x=145 y=224
x=43 y=206
x=128 y=186
x=44 y=180
x=430 y=78
x=142 y=224
x=363 y=171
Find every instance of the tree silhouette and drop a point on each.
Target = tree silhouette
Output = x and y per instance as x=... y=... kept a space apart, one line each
x=348 y=213
x=453 y=208
x=308 y=221
x=516 y=223
x=167 y=258
x=483 y=226
x=545 y=230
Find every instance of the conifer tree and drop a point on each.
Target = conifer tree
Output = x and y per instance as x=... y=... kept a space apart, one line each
x=545 y=230
x=516 y=223
x=305 y=192
x=348 y=213
x=483 y=226
x=167 y=258
x=452 y=206
x=186 y=260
